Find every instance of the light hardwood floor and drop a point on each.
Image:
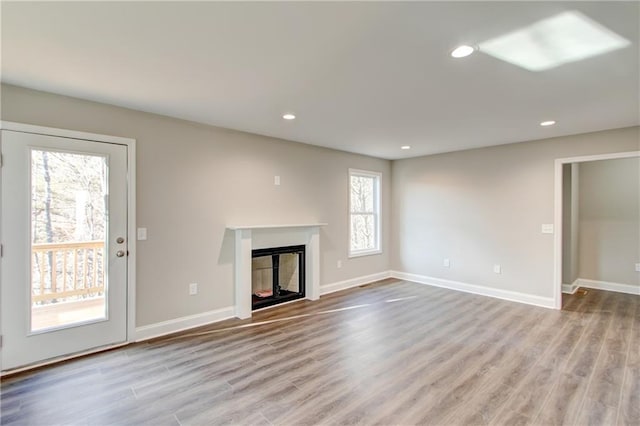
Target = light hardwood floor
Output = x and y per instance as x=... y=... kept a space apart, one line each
x=389 y=353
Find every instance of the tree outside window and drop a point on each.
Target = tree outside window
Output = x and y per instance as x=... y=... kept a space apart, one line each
x=364 y=209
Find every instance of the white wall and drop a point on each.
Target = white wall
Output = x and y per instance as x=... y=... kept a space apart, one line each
x=485 y=206
x=193 y=180
x=609 y=216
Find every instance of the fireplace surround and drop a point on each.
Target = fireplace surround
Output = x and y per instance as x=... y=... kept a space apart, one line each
x=255 y=237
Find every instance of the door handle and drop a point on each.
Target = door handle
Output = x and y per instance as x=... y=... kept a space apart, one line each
x=120 y=253
x=119 y=240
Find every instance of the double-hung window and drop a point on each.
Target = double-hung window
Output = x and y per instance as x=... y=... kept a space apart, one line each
x=364 y=212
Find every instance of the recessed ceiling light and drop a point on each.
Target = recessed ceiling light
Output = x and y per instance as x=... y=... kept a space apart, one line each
x=462 y=51
x=289 y=117
x=548 y=123
x=563 y=38
x=405 y=147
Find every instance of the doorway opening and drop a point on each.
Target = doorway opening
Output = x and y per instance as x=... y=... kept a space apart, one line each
x=596 y=214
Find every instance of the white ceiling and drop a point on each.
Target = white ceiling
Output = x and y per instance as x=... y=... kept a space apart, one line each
x=361 y=77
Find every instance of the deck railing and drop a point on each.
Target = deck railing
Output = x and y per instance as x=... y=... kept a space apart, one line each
x=63 y=270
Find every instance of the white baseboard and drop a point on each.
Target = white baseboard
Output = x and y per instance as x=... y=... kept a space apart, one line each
x=530 y=299
x=184 y=323
x=570 y=288
x=353 y=282
x=150 y=331
x=609 y=286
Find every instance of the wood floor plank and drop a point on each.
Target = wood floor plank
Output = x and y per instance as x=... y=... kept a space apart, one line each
x=391 y=352
x=563 y=403
x=511 y=418
x=606 y=383
x=595 y=413
x=633 y=359
x=629 y=409
x=531 y=395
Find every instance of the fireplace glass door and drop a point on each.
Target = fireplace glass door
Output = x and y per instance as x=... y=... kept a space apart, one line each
x=277 y=275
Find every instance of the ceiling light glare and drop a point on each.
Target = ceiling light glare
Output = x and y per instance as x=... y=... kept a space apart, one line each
x=405 y=147
x=547 y=123
x=561 y=39
x=289 y=117
x=462 y=51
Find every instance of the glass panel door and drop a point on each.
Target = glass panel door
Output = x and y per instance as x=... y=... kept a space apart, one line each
x=63 y=220
x=68 y=231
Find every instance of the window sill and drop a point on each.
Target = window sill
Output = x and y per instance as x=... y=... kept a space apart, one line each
x=365 y=253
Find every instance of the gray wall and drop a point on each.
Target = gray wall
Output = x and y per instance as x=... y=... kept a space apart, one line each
x=477 y=207
x=570 y=222
x=486 y=206
x=609 y=233
x=194 y=180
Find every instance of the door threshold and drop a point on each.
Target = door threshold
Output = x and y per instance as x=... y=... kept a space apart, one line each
x=57 y=360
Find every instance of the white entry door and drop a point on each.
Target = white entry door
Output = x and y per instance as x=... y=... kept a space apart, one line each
x=63 y=226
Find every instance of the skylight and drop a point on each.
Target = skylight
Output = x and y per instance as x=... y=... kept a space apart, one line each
x=551 y=42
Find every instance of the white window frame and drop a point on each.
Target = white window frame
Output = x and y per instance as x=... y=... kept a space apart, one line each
x=377 y=212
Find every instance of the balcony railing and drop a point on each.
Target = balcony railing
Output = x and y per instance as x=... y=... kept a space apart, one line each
x=64 y=270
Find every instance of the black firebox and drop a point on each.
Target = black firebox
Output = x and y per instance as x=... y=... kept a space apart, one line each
x=277 y=275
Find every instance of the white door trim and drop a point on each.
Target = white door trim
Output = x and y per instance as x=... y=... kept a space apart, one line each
x=557 y=239
x=131 y=200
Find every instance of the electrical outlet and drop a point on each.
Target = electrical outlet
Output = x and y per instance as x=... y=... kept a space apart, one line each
x=497 y=269
x=637 y=267
x=446 y=263
x=339 y=263
x=547 y=228
x=193 y=289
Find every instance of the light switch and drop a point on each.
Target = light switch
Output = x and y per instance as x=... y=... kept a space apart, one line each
x=547 y=228
x=142 y=234
x=276 y=180
x=637 y=267
x=446 y=263
x=497 y=269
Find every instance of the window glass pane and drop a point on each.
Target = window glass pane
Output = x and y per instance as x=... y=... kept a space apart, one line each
x=362 y=232
x=68 y=227
x=362 y=194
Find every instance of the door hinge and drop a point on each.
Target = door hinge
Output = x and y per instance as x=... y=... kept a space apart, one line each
x=1 y=250
x=0 y=340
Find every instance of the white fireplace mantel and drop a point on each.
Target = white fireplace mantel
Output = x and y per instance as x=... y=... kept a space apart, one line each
x=302 y=225
x=251 y=237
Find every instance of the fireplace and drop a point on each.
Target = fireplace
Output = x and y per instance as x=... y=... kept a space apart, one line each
x=277 y=275
x=258 y=237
